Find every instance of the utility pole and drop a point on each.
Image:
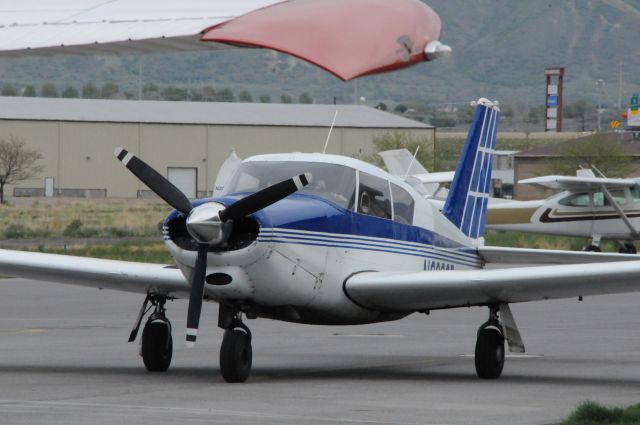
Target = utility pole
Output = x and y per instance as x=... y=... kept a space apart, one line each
x=599 y=85
x=140 y=77
x=620 y=87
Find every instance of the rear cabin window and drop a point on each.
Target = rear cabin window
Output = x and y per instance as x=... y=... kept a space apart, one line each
x=373 y=196
x=402 y=205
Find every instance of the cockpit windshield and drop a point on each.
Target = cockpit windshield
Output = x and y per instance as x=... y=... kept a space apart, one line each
x=333 y=182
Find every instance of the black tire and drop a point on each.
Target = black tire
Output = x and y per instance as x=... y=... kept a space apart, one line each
x=235 y=356
x=592 y=248
x=489 y=354
x=157 y=346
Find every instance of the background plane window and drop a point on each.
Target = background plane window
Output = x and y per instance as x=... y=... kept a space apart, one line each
x=402 y=205
x=618 y=196
x=635 y=193
x=576 y=200
x=374 y=196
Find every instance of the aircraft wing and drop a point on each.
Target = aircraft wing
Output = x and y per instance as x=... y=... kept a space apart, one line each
x=346 y=38
x=31 y=27
x=578 y=183
x=96 y=273
x=405 y=292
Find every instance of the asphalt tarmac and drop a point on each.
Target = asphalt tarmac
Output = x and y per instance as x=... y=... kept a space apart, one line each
x=64 y=359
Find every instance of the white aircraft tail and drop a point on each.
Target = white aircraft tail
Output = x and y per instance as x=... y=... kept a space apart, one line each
x=466 y=205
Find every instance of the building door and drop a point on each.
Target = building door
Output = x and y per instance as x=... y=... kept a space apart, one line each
x=48 y=187
x=184 y=178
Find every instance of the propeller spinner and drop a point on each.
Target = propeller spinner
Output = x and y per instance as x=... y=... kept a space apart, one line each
x=210 y=224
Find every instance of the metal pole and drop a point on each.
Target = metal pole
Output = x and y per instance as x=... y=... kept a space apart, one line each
x=620 y=88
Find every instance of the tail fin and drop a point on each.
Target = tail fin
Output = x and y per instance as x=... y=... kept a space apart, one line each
x=466 y=205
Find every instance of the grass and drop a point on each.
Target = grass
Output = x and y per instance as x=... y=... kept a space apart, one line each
x=82 y=218
x=528 y=240
x=146 y=252
x=591 y=413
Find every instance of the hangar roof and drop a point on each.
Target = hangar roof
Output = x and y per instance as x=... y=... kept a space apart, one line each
x=164 y=112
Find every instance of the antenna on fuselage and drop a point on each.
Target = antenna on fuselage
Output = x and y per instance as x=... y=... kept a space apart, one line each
x=412 y=160
x=326 y=143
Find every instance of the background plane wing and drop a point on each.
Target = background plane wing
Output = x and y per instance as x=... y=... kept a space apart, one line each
x=578 y=183
x=96 y=273
x=506 y=255
x=30 y=27
x=426 y=290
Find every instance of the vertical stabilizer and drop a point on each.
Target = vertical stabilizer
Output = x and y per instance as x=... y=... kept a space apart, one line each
x=466 y=205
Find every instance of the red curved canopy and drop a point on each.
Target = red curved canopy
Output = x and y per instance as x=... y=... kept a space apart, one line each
x=348 y=38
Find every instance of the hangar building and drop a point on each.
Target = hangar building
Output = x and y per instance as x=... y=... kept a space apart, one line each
x=185 y=141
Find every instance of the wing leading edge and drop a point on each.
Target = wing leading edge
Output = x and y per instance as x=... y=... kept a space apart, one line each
x=448 y=289
x=95 y=273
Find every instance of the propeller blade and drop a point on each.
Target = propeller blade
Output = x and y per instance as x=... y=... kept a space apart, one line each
x=265 y=197
x=156 y=181
x=195 y=297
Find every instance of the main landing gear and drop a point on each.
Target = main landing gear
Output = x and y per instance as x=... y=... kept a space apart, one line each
x=156 y=348
x=489 y=354
x=235 y=351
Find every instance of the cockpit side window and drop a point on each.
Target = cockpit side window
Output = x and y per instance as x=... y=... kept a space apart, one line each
x=576 y=200
x=374 y=196
x=403 y=204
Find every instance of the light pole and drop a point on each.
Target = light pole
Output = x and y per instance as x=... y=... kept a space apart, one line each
x=599 y=85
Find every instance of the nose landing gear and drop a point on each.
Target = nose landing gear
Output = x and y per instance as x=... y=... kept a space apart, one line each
x=489 y=353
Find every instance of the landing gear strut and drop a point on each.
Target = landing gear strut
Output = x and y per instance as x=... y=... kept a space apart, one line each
x=156 y=348
x=235 y=351
x=489 y=354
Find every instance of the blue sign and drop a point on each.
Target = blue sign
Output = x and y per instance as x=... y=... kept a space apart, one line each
x=634 y=102
x=552 y=100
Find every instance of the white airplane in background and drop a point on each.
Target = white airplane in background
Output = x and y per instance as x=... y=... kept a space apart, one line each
x=592 y=207
x=326 y=239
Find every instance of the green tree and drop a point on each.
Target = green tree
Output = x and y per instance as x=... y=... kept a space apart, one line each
x=29 y=91
x=285 y=98
x=9 y=90
x=175 y=93
x=532 y=116
x=70 y=92
x=49 y=90
x=400 y=108
x=151 y=92
x=90 y=91
x=381 y=106
x=305 y=98
x=225 y=95
x=265 y=98
x=109 y=90
x=443 y=119
x=245 y=96
x=600 y=150
x=403 y=139
x=17 y=163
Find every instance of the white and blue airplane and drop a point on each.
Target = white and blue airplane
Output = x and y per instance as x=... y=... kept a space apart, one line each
x=330 y=240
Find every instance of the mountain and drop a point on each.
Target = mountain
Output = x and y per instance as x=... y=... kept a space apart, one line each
x=500 y=50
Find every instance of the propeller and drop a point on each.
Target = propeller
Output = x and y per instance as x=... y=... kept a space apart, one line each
x=210 y=224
